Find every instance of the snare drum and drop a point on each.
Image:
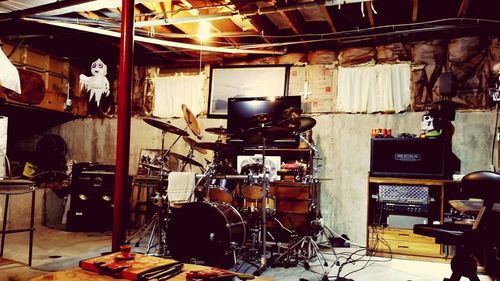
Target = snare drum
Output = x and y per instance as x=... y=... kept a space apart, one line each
x=252 y=188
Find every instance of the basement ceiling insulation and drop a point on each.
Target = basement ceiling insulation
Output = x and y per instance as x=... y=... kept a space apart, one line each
x=237 y=26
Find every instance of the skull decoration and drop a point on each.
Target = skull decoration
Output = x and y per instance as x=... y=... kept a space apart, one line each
x=427 y=123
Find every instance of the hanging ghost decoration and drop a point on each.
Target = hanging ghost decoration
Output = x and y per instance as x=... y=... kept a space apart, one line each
x=97 y=84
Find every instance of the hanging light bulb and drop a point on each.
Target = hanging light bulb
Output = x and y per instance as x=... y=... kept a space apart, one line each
x=204 y=31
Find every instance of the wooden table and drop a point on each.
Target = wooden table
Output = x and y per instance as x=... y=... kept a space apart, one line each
x=78 y=274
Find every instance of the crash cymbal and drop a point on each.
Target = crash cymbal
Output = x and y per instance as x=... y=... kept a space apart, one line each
x=191 y=121
x=216 y=146
x=165 y=127
x=192 y=143
x=292 y=112
x=218 y=131
x=185 y=159
x=271 y=132
x=298 y=124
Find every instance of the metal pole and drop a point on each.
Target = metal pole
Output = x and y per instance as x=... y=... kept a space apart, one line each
x=123 y=124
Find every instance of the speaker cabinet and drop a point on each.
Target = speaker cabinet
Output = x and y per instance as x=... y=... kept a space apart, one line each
x=92 y=189
x=410 y=158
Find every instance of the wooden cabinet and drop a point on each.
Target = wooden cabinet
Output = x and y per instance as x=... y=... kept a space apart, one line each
x=391 y=215
x=296 y=205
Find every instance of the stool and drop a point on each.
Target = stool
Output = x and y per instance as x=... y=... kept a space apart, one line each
x=9 y=188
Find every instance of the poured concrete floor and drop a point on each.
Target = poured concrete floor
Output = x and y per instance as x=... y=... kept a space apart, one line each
x=56 y=249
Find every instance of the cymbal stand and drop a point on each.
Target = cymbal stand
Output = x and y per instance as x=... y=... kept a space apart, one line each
x=158 y=224
x=265 y=188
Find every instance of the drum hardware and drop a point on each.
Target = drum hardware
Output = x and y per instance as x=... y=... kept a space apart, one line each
x=158 y=223
x=306 y=249
x=262 y=134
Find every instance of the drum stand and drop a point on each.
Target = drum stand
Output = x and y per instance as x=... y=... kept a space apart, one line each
x=158 y=223
x=263 y=232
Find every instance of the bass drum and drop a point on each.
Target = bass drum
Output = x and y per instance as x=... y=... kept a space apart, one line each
x=203 y=233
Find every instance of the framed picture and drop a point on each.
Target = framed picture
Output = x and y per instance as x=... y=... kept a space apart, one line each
x=150 y=162
x=244 y=81
x=248 y=163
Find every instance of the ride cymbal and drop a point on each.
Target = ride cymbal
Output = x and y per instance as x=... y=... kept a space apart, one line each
x=185 y=159
x=298 y=124
x=191 y=121
x=165 y=127
x=192 y=143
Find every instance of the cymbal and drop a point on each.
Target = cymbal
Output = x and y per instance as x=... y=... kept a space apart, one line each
x=292 y=112
x=265 y=131
x=261 y=119
x=165 y=127
x=218 y=131
x=191 y=121
x=216 y=146
x=298 y=124
x=185 y=159
x=192 y=143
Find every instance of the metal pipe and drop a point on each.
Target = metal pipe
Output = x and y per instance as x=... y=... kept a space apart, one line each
x=123 y=125
x=41 y=9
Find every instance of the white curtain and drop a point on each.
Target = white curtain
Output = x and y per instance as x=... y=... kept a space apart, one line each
x=173 y=91
x=379 y=88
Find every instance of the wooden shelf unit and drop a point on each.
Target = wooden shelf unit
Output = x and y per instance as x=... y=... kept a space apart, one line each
x=383 y=239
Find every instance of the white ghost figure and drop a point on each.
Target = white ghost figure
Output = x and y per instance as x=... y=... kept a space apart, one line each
x=97 y=84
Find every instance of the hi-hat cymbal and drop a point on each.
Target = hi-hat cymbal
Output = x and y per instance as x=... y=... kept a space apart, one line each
x=192 y=143
x=191 y=121
x=261 y=119
x=185 y=159
x=218 y=131
x=298 y=124
x=216 y=146
x=270 y=132
x=165 y=127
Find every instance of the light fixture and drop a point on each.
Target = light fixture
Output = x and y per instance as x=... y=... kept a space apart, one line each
x=204 y=31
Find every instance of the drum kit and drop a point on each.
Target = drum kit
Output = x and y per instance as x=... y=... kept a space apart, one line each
x=227 y=206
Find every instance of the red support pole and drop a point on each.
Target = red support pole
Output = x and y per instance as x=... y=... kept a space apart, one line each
x=123 y=127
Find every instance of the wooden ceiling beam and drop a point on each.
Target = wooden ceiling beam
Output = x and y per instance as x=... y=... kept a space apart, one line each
x=464 y=5
x=329 y=20
x=414 y=10
x=371 y=18
x=296 y=21
x=261 y=26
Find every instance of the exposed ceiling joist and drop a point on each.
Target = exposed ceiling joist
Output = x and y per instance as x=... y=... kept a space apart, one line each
x=42 y=8
x=464 y=5
x=414 y=10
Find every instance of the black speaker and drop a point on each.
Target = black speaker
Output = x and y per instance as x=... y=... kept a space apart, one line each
x=447 y=84
x=410 y=158
x=92 y=189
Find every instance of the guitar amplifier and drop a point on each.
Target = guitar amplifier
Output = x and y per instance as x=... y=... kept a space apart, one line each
x=91 y=204
x=410 y=158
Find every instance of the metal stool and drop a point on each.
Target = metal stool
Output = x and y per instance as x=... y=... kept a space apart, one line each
x=10 y=187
